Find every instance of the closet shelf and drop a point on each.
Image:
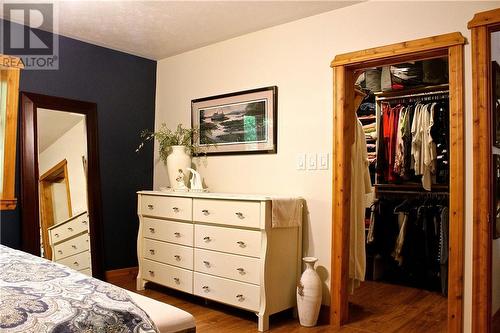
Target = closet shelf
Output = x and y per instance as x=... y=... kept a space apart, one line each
x=415 y=187
x=398 y=93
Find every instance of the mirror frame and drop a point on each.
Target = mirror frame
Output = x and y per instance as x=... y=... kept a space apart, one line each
x=11 y=67
x=30 y=102
x=481 y=26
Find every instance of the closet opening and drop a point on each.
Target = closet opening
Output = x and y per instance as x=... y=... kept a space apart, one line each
x=397 y=250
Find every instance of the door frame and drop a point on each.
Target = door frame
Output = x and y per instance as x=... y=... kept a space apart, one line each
x=481 y=27
x=344 y=68
x=30 y=199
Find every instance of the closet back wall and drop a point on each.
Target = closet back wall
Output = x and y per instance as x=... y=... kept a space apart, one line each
x=296 y=57
x=123 y=87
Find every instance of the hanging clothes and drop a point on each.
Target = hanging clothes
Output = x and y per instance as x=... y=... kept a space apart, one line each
x=360 y=186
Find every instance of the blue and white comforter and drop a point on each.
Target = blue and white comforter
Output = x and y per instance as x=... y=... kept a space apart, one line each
x=37 y=295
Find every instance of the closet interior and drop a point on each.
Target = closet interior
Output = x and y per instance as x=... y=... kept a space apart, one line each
x=405 y=119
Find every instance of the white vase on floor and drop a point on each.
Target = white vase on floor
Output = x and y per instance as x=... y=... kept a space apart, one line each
x=178 y=159
x=309 y=292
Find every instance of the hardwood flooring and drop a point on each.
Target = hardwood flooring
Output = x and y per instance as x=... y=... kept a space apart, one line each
x=374 y=308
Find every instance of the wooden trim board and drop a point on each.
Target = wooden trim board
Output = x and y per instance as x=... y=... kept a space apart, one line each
x=481 y=27
x=345 y=67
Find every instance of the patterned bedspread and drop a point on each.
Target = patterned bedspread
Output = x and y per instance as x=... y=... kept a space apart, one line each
x=37 y=295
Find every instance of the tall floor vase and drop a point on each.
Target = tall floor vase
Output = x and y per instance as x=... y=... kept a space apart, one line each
x=309 y=294
x=179 y=159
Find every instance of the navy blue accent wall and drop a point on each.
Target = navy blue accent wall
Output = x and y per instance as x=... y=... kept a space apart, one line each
x=123 y=87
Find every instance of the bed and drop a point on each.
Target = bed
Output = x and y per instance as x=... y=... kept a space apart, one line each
x=37 y=295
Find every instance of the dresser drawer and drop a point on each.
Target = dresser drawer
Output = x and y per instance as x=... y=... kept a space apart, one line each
x=230 y=240
x=71 y=246
x=167 y=275
x=169 y=231
x=237 y=213
x=69 y=229
x=167 y=207
x=235 y=293
x=78 y=261
x=230 y=266
x=176 y=255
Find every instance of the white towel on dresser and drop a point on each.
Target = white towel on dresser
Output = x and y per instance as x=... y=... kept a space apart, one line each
x=286 y=212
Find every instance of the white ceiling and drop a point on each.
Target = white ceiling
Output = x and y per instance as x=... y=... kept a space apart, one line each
x=159 y=29
x=51 y=125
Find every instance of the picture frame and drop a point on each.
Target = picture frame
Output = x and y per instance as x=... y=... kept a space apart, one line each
x=243 y=122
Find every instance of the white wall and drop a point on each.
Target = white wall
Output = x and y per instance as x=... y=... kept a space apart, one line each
x=71 y=146
x=296 y=58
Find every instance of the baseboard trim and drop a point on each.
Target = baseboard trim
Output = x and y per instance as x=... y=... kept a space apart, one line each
x=122 y=274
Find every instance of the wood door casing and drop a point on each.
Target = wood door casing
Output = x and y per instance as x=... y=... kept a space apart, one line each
x=58 y=173
x=481 y=27
x=344 y=67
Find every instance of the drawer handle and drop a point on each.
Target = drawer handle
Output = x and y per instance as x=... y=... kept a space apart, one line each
x=152 y=251
x=206 y=263
x=205 y=212
x=240 y=297
x=152 y=230
x=177 y=280
x=70 y=229
x=241 y=270
x=152 y=273
x=241 y=243
x=177 y=234
x=206 y=289
x=177 y=257
x=207 y=239
x=84 y=222
x=151 y=207
x=73 y=246
x=175 y=209
x=59 y=251
x=57 y=235
x=240 y=215
x=76 y=263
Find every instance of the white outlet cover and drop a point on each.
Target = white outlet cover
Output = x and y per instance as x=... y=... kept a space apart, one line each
x=312 y=161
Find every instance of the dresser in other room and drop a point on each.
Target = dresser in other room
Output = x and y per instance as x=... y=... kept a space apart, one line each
x=70 y=243
x=220 y=247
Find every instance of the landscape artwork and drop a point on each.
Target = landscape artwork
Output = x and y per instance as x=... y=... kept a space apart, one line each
x=242 y=122
x=234 y=123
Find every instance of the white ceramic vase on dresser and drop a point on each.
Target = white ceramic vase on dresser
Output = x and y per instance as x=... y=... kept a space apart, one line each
x=309 y=294
x=178 y=159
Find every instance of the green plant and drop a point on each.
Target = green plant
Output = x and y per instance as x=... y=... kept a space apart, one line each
x=168 y=138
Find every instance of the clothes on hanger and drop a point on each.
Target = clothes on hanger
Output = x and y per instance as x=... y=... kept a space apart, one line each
x=411 y=237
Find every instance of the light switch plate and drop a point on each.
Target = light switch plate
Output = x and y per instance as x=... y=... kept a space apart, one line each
x=324 y=159
x=301 y=161
x=312 y=161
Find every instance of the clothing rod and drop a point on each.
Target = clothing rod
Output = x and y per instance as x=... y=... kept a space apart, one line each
x=410 y=192
x=414 y=95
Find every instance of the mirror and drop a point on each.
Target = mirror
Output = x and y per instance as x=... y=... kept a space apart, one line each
x=62 y=156
x=61 y=212
x=9 y=90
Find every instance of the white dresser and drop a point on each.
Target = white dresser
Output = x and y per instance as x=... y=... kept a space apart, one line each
x=70 y=243
x=220 y=247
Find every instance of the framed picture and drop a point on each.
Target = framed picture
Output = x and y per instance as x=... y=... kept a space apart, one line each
x=244 y=122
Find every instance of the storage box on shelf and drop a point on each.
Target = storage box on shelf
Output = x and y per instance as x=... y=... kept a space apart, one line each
x=220 y=247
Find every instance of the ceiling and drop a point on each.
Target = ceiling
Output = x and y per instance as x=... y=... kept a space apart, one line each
x=51 y=125
x=159 y=29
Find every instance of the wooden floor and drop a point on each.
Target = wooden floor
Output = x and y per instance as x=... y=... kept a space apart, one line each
x=375 y=308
